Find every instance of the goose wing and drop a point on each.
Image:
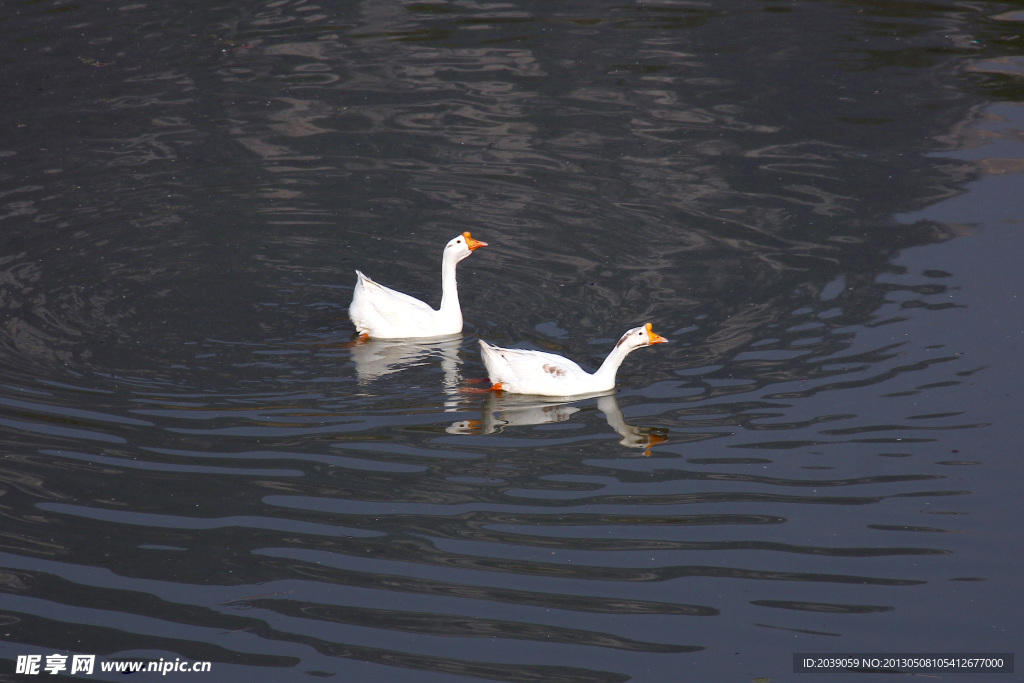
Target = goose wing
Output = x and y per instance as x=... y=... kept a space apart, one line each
x=530 y=370
x=374 y=299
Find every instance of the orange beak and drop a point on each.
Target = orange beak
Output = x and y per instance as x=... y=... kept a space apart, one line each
x=472 y=243
x=653 y=337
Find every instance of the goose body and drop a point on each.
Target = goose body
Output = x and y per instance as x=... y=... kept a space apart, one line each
x=547 y=374
x=384 y=313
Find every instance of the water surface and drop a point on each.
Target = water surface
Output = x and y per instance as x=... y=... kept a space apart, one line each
x=816 y=202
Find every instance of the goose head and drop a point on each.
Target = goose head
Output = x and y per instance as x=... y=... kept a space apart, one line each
x=639 y=336
x=462 y=246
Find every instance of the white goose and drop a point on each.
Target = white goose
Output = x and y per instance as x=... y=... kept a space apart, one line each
x=380 y=312
x=547 y=374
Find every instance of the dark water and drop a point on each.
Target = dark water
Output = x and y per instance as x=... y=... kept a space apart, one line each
x=818 y=202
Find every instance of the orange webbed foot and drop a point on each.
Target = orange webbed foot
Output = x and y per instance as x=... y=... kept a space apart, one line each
x=480 y=390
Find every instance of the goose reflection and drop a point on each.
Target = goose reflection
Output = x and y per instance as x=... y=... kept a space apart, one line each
x=505 y=410
x=376 y=358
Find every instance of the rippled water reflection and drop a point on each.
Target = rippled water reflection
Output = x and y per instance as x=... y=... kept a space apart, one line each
x=814 y=201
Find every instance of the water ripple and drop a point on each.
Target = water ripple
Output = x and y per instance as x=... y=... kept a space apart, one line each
x=198 y=463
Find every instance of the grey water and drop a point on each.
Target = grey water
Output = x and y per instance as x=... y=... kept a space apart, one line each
x=818 y=203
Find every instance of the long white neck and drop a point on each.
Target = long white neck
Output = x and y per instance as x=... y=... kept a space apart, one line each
x=449 y=287
x=606 y=373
